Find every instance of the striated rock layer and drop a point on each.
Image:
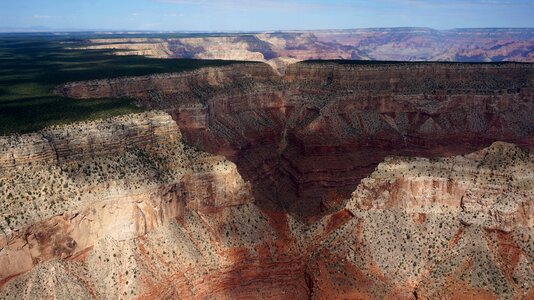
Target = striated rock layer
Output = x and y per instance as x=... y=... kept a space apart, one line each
x=253 y=185
x=164 y=220
x=152 y=217
x=306 y=139
x=447 y=228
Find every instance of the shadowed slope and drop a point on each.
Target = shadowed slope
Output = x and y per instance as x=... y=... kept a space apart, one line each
x=306 y=139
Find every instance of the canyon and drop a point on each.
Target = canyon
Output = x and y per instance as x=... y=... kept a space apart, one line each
x=281 y=48
x=331 y=181
x=306 y=139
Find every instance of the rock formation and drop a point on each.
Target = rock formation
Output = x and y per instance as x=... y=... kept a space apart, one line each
x=448 y=228
x=307 y=138
x=333 y=181
x=282 y=48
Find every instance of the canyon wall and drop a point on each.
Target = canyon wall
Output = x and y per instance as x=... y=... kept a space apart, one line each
x=331 y=182
x=125 y=208
x=172 y=221
x=307 y=138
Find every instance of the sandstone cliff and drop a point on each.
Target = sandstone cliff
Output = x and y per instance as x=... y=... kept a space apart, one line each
x=68 y=187
x=447 y=228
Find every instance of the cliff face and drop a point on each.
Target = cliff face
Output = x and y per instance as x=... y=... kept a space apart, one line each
x=65 y=187
x=253 y=185
x=307 y=138
x=160 y=89
x=148 y=217
x=447 y=228
x=67 y=143
x=174 y=222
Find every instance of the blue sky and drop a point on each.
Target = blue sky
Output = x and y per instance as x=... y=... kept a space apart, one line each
x=221 y=15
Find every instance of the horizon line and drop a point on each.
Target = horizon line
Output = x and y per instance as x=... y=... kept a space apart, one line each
x=37 y=29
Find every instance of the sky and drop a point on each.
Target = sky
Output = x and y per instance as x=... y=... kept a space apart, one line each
x=262 y=15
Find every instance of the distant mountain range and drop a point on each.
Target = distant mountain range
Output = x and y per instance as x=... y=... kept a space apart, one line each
x=283 y=47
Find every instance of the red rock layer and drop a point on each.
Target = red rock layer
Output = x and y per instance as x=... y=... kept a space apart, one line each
x=307 y=138
x=417 y=234
x=281 y=223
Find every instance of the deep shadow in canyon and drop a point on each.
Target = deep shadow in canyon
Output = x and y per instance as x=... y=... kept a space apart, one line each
x=305 y=140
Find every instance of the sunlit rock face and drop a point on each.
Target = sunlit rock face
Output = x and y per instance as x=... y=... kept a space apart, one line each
x=332 y=182
x=137 y=212
x=441 y=228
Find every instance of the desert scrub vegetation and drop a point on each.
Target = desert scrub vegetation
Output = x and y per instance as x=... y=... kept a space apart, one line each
x=89 y=161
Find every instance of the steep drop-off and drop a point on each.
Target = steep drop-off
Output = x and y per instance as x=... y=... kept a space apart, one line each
x=252 y=185
x=125 y=208
x=159 y=219
x=305 y=140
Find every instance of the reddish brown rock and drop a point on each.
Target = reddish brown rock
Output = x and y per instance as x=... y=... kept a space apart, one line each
x=163 y=214
x=318 y=130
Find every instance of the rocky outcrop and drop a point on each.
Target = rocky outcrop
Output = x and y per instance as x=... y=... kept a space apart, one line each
x=118 y=178
x=306 y=139
x=447 y=228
